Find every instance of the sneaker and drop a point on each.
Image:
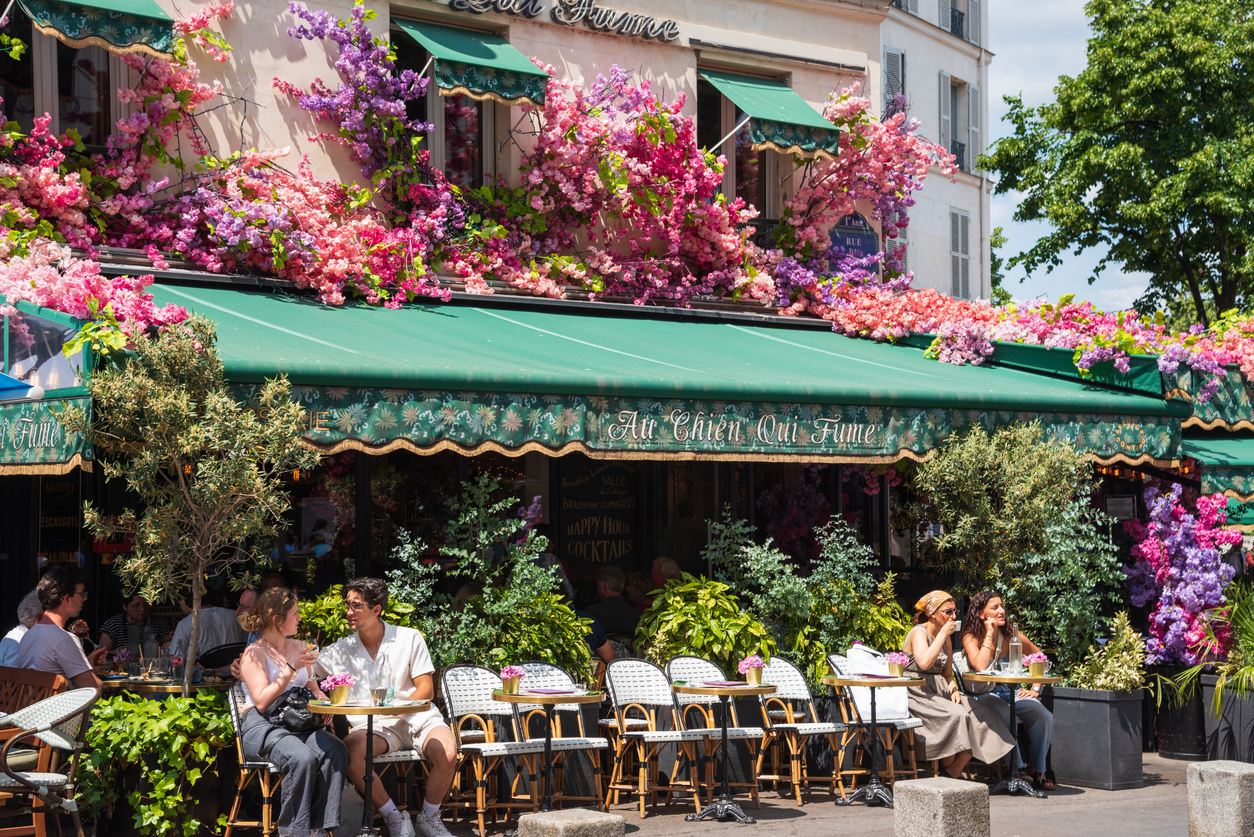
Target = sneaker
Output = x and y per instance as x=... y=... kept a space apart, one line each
x=401 y=827
x=430 y=826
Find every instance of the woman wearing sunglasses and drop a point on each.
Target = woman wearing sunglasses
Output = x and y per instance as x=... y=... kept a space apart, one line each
x=954 y=728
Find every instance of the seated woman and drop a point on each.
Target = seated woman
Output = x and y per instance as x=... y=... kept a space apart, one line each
x=312 y=763
x=954 y=727
x=986 y=635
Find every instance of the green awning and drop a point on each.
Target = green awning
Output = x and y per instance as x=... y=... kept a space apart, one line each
x=1227 y=463
x=778 y=117
x=622 y=382
x=122 y=27
x=478 y=64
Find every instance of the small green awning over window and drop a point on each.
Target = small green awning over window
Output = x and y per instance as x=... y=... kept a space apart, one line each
x=778 y=117
x=122 y=27
x=478 y=64
x=1227 y=463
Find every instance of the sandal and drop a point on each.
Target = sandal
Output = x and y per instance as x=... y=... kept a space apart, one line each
x=1043 y=782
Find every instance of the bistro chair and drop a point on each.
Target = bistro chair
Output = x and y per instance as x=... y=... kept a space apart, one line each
x=542 y=675
x=639 y=690
x=19 y=688
x=892 y=730
x=697 y=670
x=467 y=691
x=59 y=722
x=265 y=772
x=222 y=656
x=790 y=718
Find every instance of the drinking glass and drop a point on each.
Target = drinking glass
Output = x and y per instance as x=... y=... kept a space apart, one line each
x=379 y=694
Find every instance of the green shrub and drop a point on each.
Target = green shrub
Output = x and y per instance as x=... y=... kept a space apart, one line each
x=324 y=620
x=1118 y=666
x=701 y=617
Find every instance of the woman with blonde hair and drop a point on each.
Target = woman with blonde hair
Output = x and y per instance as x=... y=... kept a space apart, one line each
x=312 y=763
x=954 y=727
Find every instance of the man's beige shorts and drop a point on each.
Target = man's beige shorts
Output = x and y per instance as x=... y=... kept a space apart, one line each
x=408 y=732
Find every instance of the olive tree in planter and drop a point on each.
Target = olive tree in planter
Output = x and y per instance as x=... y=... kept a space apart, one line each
x=1097 y=716
x=207 y=470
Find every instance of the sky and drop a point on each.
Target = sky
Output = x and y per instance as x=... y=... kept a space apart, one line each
x=1033 y=44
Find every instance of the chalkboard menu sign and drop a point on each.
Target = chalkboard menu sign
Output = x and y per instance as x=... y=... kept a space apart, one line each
x=60 y=518
x=599 y=511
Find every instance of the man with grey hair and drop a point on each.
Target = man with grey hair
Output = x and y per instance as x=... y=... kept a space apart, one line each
x=28 y=613
x=614 y=612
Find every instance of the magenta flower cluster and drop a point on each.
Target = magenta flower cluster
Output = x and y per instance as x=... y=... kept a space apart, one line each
x=335 y=681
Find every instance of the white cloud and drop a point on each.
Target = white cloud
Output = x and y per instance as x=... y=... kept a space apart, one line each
x=1034 y=44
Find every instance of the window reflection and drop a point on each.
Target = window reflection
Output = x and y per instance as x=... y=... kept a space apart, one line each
x=463 y=141
x=35 y=356
x=83 y=92
x=749 y=167
x=17 y=77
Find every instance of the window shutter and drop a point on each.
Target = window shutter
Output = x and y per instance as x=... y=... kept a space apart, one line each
x=973 y=22
x=974 y=149
x=946 y=95
x=894 y=75
x=914 y=7
x=903 y=240
x=944 y=15
x=964 y=223
x=955 y=257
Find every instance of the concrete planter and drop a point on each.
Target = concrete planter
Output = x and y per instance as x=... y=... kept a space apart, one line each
x=1097 y=738
x=1229 y=735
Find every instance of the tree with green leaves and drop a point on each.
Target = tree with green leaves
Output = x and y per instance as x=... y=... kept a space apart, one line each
x=1149 y=152
x=996 y=265
x=208 y=472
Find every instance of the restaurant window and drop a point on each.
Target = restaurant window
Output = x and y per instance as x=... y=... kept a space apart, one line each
x=75 y=86
x=749 y=173
x=462 y=122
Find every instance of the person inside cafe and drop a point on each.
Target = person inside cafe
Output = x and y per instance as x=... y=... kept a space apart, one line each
x=312 y=763
x=616 y=615
x=48 y=646
x=372 y=644
x=218 y=627
x=126 y=630
x=955 y=727
x=663 y=570
x=639 y=586
x=986 y=635
x=28 y=613
x=246 y=605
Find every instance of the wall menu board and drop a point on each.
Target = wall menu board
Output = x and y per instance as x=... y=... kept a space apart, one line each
x=599 y=509
x=60 y=518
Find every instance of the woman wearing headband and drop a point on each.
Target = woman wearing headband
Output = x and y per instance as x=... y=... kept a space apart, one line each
x=954 y=728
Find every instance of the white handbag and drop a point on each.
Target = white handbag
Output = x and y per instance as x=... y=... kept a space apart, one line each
x=891 y=704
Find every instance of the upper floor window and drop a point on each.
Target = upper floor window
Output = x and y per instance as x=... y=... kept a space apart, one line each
x=960 y=111
x=748 y=170
x=962 y=19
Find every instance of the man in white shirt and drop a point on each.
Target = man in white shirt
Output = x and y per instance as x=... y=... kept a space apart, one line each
x=405 y=652
x=48 y=646
x=218 y=627
x=28 y=613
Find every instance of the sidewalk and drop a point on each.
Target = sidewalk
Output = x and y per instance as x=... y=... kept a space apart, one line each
x=1159 y=809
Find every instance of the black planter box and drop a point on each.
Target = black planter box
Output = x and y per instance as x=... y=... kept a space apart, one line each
x=1097 y=738
x=1180 y=729
x=1229 y=735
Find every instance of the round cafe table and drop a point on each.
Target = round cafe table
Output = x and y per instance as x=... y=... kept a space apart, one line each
x=873 y=789
x=549 y=703
x=369 y=710
x=1014 y=784
x=725 y=805
x=159 y=687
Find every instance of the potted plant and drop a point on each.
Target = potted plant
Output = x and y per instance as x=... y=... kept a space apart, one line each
x=337 y=686
x=1097 y=716
x=751 y=667
x=897 y=662
x=510 y=675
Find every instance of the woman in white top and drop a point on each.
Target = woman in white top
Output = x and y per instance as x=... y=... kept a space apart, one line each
x=986 y=635
x=312 y=763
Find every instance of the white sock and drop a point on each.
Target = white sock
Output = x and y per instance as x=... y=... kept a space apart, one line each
x=430 y=810
x=390 y=812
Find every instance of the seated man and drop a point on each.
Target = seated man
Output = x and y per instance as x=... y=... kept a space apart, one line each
x=28 y=613
x=48 y=646
x=405 y=652
x=614 y=612
x=218 y=627
x=125 y=630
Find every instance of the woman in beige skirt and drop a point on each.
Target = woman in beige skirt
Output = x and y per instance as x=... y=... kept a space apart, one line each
x=954 y=728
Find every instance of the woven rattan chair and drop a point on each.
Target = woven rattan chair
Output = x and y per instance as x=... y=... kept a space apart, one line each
x=790 y=719
x=697 y=670
x=266 y=774
x=640 y=690
x=59 y=722
x=467 y=691
x=19 y=688
x=891 y=730
x=542 y=675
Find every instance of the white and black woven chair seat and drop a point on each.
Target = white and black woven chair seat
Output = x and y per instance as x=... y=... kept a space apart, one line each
x=734 y=733
x=667 y=736
x=50 y=781
x=504 y=748
x=632 y=723
x=810 y=729
x=561 y=745
x=400 y=756
x=905 y=723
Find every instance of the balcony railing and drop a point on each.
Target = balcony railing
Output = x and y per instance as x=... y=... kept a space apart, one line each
x=959 y=150
x=957 y=23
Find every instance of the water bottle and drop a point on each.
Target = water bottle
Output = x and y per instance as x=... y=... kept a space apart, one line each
x=177 y=660
x=385 y=676
x=1016 y=651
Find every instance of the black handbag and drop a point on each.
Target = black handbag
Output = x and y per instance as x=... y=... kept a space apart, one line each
x=291 y=711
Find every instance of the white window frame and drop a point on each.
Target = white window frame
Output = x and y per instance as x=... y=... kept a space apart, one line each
x=771 y=184
x=959 y=253
x=43 y=52
x=488 y=121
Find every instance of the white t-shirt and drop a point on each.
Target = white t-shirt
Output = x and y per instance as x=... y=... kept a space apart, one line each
x=49 y=648
x=218 y=627
x=8 y=645
x=404 y=649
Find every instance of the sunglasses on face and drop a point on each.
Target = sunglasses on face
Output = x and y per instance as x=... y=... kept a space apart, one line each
x=950 y=612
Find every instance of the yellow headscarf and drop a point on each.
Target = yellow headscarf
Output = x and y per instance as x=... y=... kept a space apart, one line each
x=928 y=604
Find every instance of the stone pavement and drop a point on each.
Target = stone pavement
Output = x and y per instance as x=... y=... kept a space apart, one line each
x=1159 y=809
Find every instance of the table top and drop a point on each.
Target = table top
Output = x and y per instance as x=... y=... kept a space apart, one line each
x=1011 y=678
x=531 y=697
x=872 y=682
x=368 y=709
x=159 y=687
x=746 y=689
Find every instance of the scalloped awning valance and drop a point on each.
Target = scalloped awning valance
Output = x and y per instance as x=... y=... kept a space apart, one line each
x=122 y=27
x=478 y=64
